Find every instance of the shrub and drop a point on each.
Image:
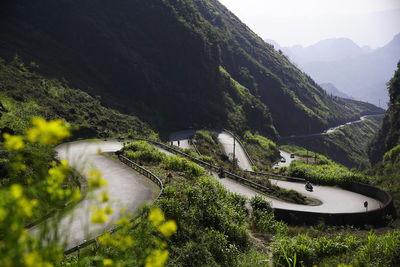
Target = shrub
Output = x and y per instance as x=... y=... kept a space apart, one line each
x=142 y=151
x=331 y=174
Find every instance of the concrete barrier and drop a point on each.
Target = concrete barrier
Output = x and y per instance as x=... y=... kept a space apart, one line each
x=376 y=217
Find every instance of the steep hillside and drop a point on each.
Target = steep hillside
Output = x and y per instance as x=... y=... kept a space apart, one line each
x=346 y=145
x=384 y=150
x=388 y=135
x=25 y=94
x=176 y=64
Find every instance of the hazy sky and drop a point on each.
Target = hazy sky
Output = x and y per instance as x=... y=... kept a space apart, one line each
x=290 y=22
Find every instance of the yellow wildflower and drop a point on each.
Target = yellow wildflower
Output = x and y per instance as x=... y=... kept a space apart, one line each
x=31 y=258
x=107 y=262
x=26 y=207
x=157 y=258
x=156 y=216
x=76 y=195
x=95 y=179
x=47 y=133
x=123 y=221
x=105 y=240
x=99 y=216
x=34 y=259
x=13 y=142
x=108 y=210
x=104 y=197
x=16 y=191
x=168 y=228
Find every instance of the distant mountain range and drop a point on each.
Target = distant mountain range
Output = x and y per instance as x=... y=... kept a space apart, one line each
x=360 y=72
x=331 y=89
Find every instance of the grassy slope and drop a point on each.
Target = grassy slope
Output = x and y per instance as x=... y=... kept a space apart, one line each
x=25 y=93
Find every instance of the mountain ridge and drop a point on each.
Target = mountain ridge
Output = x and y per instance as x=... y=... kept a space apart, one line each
x=361 y=73
x=176 y=64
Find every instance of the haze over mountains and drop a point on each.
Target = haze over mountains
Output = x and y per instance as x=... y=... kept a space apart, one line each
x=360 y=72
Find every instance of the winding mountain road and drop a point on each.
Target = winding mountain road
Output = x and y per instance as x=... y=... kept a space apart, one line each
x=129 y=189
x=330 y=130
x=333 y=199
x=126 y=188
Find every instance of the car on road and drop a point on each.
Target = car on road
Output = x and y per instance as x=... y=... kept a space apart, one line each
x=292 y=155
x=283 y=160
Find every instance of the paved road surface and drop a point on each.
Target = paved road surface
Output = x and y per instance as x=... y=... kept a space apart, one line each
x=126 y=187
x=226 y=140
x=287 y=157
x=182 y=138
x=334 y=200
x=328 y=131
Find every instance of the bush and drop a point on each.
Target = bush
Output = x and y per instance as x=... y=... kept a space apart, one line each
x=179 y=164
x=331 y=174
x=142 y=151
x=258 y=203
x=211 y=220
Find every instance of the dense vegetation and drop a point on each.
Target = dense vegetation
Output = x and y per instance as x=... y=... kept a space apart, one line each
x=326 y=174
x=175 y=64
x=25 y=93
x=385 y=147
x=388 y=135
x=262 y=150
x=320 y=169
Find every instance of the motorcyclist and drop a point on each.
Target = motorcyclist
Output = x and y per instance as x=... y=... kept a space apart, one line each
x=309 y=187
x=220 y=172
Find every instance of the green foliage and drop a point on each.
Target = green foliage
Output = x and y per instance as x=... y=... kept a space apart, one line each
x=26 y=94
x=211 y=223
x=309 y=251
x=263 y=220
x=258 y=203
x=262 y=150
x=388 y=135
x=143 y=152
x=380 y=250
x=333 y=249
x=209 y=147
x=179 y=164
x=326 y=174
